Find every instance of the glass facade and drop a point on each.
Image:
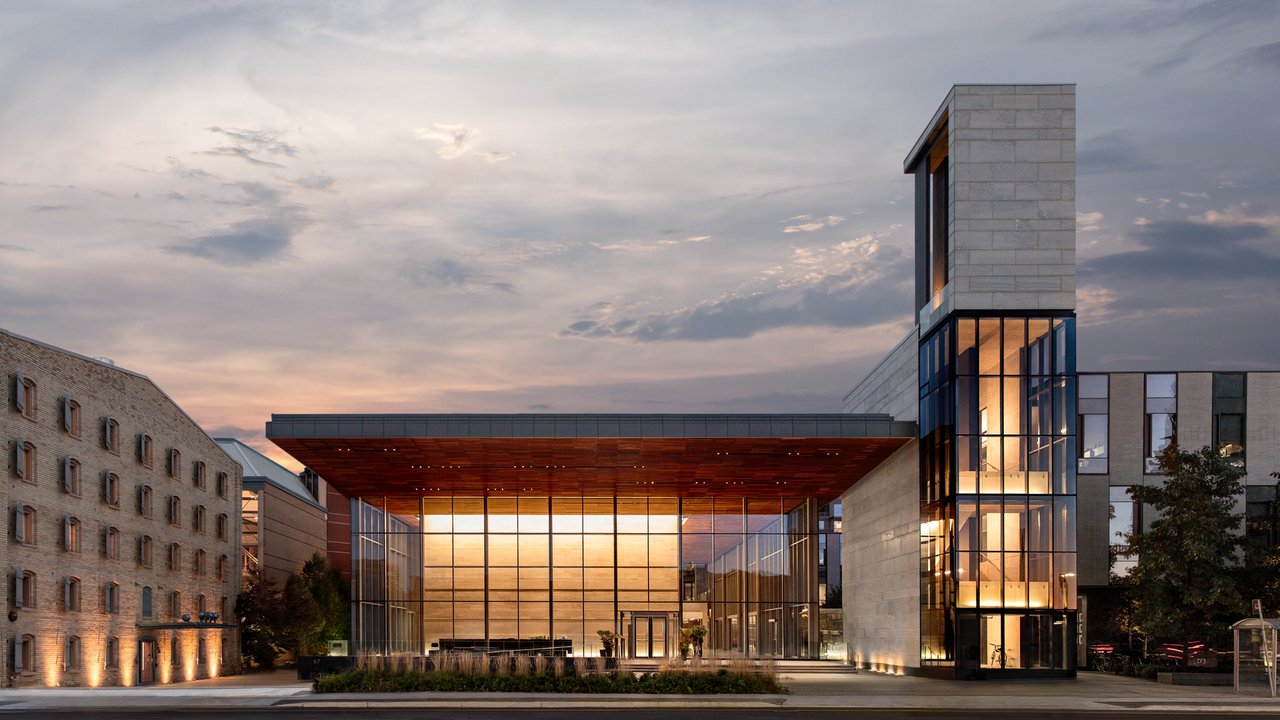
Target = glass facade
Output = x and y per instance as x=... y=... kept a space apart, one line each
x=998 y=471
x=546 y=574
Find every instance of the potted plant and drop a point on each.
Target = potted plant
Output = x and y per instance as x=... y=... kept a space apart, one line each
x=608 y=639
x=697 y=632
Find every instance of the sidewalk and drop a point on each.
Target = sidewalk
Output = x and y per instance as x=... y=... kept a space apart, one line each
x=1091 y=691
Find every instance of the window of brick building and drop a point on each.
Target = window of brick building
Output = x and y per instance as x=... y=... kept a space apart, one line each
x=24 y=654
x=24 y=396
x=111 y=435
x=145 y=451
x=222 y=524
x=175 y=604
x=24 y=588
x=111 y=598
x=144 y=551
x=198 y=564
x=222 y=567
x=111 y=656
x=71 y=658
x=71 y=476
x=24 y=460
x=71 y=594
x=197 y=519
x=222 y=484
x=24 y=524
x=111 y=488
x=146 y=602
x=175 y=463
x=71 y=417
x=198 y=476
x=175 y=511
x=145 y=500
x=71 y=533
x=175 y=556
x=111 y=543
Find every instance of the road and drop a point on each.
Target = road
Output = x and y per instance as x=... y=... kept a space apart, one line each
x=284 y=713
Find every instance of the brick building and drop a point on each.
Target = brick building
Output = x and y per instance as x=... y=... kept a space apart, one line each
x=123 y=527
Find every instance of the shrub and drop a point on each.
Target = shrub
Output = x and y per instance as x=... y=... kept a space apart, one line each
x=678 y=682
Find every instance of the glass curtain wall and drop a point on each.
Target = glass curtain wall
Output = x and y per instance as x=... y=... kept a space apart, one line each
x=507 y=573
x=998 y=465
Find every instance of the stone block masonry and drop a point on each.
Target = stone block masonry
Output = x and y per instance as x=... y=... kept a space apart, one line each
x=1012 y=152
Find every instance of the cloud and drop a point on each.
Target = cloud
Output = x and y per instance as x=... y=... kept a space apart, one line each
x=1111 y=152
x=248 y=144
x=14 y=248
x=1088 y=221
x=1177 y=254
x=1265 y=57
x=178 y=169
x=316 y=182
x=844 y=285
x=245 y=243
x=449 y=275
x=256 y=193
x=812 y=224
x=459 y=140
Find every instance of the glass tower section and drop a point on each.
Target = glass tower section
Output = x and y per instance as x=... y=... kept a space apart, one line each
x=546 y=574
x=997 y=488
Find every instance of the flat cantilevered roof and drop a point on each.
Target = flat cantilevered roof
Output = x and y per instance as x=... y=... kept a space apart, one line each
x=591 y=454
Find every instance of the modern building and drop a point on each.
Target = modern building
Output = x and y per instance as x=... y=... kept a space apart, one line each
x=282 y=519
x=974 y=476
x=123 y=522
x=1125 y=420
x=505 y=531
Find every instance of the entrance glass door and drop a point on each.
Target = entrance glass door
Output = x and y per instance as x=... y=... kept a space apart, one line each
x=649 y=636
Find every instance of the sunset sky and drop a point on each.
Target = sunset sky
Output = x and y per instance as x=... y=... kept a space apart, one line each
x=595 y=206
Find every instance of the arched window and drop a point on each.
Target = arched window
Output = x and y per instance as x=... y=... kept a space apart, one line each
x=71 y=533
x=71 y=417
x=24 y=588
x=144 y=449
x=71 y=594
x=175 y=604
x=198 y=565
x=222 y=526
x=145 y=500
x=24 y=460
x=144 y=551
x=112 y=654
x=175 y=511
x=222 y=567
x=111 y=488
x=24 y=523
x=24 y=396
x=222 y=484
x=111 y=543
x=71 y=476
x=111 y=435
x=111 y=598
x=71 y=660
x=24 y=654
x=175 y=463
x=199 y=476
x=146 y=602
x=197 y=519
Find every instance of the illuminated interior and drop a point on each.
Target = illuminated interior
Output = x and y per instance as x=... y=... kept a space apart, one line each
x=507 y=573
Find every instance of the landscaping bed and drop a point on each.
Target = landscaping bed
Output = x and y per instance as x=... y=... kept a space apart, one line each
x=554 y=677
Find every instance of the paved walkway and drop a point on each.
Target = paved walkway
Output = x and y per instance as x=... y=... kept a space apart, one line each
x=811 y=690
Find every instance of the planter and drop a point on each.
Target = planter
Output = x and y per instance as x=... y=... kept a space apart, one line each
x=1194 y=678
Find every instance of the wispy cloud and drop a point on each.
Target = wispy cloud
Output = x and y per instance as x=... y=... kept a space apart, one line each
x=808 y=223
x=449 y=274
x=459 y=140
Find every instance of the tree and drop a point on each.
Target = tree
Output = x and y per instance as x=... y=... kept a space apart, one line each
x=302 y=623
x=1185 y=584
x=333 y=597
x=259 y=608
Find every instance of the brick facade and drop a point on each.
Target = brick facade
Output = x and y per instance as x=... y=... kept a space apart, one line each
x=138 y=407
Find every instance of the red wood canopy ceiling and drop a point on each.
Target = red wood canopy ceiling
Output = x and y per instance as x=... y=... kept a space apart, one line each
x=822 y=468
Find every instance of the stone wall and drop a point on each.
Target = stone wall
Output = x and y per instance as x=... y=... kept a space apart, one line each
x=880 y=552
x=893 y=385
